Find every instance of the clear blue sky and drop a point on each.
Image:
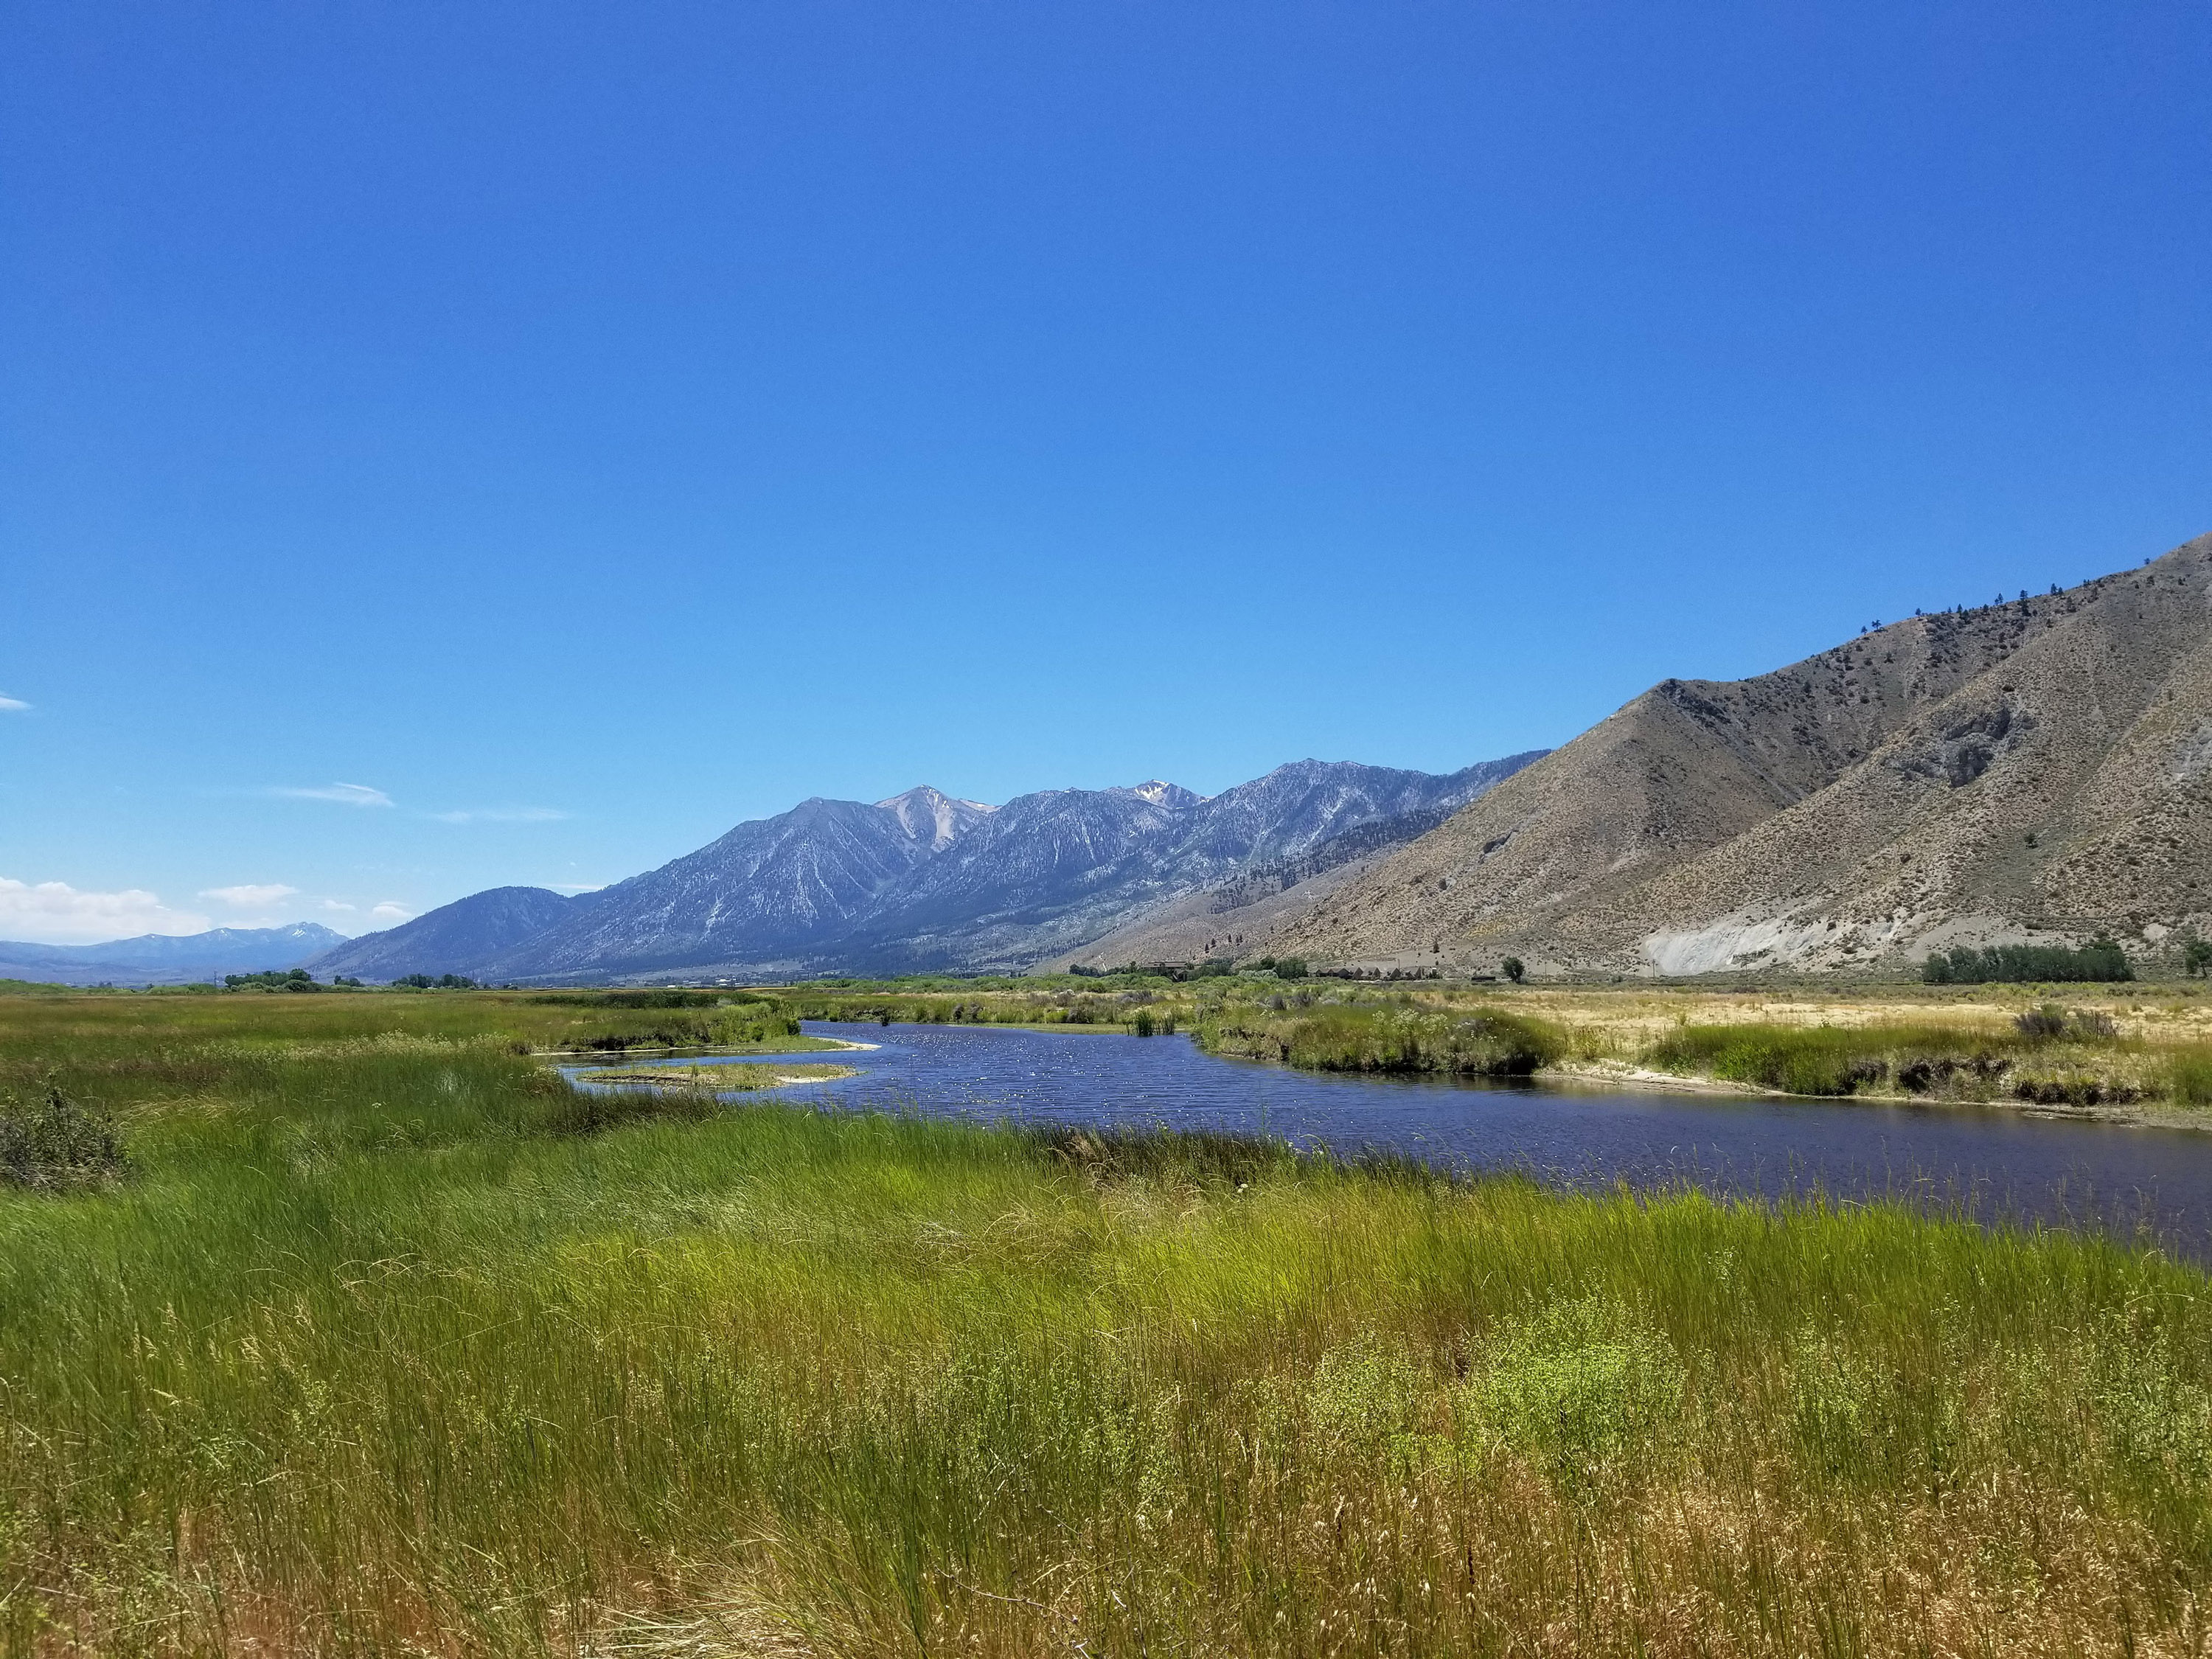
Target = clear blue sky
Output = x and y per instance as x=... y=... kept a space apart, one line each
x=588 y=426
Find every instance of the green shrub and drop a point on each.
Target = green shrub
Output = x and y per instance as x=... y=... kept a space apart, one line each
x=52 y=1145
x=1581 y=1390
x=2150 y=1412
x=1364 y=1399
x=2051 y=1023
x=756 y=1024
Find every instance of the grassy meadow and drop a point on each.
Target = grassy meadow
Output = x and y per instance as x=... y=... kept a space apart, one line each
x=379 y=1338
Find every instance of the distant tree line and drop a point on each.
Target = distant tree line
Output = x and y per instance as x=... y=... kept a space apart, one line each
x=298 y=979
x=2100 y=960
x=295 y=979
x=443 y=982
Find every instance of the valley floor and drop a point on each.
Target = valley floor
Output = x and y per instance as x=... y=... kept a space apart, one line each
x=345 y=1325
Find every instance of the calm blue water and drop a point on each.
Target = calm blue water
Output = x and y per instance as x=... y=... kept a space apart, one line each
x=1998 y=1161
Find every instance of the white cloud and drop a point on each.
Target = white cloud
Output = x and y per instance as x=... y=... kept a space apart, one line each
x=55 y=913
x=390 y=911
x=335 y=904
x=503 y=815
x=12 y=705
x=346 y=794
x=576 y=886
x=268 y=893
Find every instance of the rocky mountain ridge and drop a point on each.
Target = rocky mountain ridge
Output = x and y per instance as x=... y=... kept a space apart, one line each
x=920 y=881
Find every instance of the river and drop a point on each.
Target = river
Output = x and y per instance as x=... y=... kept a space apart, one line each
x=1992 y=1162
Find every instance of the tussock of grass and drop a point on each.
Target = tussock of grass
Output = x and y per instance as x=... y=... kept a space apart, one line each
x=2189 y=1078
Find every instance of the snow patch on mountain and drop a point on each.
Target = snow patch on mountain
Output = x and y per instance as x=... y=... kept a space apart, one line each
x=930 y=815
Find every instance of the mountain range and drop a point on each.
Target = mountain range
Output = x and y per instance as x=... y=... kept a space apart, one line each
x=2036 y=769
x=167 y=959
x=920 y=882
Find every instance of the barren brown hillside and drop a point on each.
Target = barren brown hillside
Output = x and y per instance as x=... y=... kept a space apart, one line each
x=2038 y=769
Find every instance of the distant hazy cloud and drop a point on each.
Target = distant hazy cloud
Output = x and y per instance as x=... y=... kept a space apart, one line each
x=346 y=794
x=502 y=815
x=268 y=893
x=12 y=705
x=389 y=911
x=576 y=886
x=335 y=904
x=55 y=913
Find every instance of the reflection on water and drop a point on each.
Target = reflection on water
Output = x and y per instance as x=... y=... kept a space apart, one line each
x=1995 y=1162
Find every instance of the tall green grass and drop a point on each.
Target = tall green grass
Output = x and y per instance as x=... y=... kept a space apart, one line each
x=2050 y=1056
x=393 y=1343
x=2189 y=1078
x=1377 y=1037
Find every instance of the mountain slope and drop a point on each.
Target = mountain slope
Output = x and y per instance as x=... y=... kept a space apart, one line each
x=1869 y=804
x=768 y=892
x=1055 y=870
x=1240 y=915
x=168 y=959
x=1042 y=864
x=452 y=938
